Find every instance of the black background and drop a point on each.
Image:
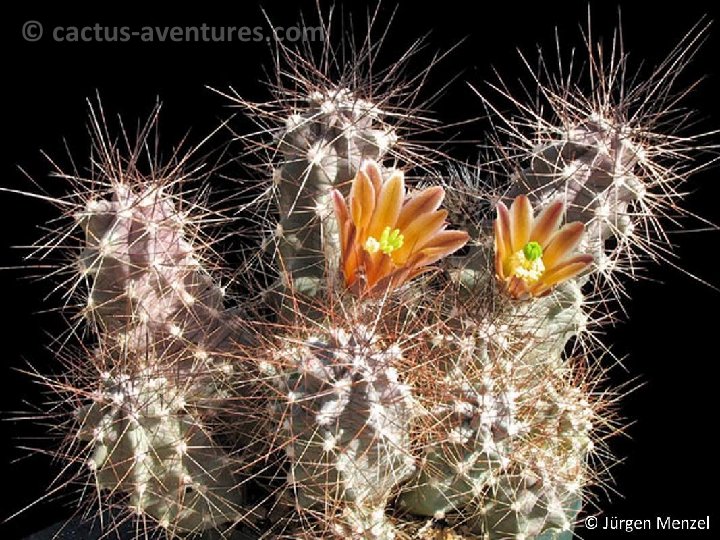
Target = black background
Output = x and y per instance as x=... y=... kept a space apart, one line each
x=671 y=335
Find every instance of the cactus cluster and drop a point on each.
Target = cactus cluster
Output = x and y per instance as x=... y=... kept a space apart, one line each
x=161 y=354
x=410 y=367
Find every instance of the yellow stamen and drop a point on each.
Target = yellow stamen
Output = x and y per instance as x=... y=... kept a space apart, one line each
x=372 y=245
x=389 y=242
x=528 y=268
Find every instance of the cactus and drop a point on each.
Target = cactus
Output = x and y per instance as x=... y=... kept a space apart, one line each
x=387 y=380
x=161 y=352
x=345 y=431
x=146 y=444
x=149 y=290
x=511 y=411
x=321 y=148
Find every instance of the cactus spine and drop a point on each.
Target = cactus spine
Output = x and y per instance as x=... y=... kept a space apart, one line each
x=396 y=382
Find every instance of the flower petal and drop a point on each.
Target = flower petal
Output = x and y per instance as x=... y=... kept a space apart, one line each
x=388 y=205
x=343 y=220
x=402 y=276
x=547 y=223
x=420 y=259
x=351 y=263
x=501 y=252
x=377 y=266
x=362 y=200
x=517 y=288
x=372 y=170
x=565 y=270
x=341 y=209
x=425 y=202
x=521 y=221
x=502 y=230
x=394 y=280
x=444 y=243
x=429 y=256
x=418 y=234
x=563 y=243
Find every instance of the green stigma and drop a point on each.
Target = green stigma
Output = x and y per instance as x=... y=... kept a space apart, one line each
x=390 y=240
x=532 y=251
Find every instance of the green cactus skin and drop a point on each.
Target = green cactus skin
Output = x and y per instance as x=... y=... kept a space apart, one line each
x=346 y=428
x=322 y=147
x=594 y=168
x=163 y=341
x=147 y=444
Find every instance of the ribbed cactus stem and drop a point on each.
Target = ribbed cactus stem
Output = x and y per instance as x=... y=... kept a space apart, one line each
x=547 y=324
x=149 y=290
x=539 y=496
x=163 y=337
x=322 y=147
x=460 y=461
x=346 y=427
x=149 y=446
x=491 y=412
x=593 y=169
x=527 y=506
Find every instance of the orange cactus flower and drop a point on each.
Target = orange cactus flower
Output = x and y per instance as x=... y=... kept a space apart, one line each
x=532 y=255
x=385 y=239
